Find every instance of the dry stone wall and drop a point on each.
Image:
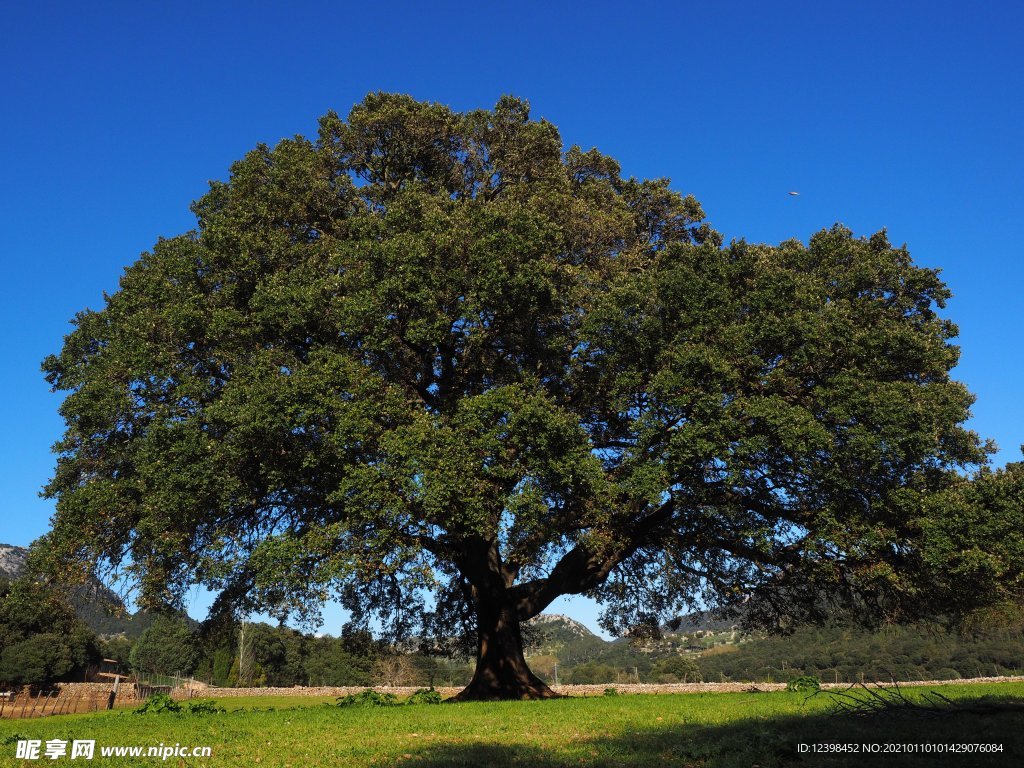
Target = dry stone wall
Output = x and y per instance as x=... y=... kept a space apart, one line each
x=199 y=690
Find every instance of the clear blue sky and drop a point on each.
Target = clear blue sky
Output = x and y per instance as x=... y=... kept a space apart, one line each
x=900 y=115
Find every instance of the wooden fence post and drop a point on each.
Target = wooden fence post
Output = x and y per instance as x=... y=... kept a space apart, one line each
x=113 y=692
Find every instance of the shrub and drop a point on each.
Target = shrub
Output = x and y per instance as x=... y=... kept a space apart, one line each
x=804 y=684
x=158 y=704
x=161 y=703
x=368 y=698
x=204 y=707
x=611 y=691
x=424 y=696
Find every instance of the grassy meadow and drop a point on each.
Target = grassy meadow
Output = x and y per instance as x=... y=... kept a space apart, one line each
x=709 y=729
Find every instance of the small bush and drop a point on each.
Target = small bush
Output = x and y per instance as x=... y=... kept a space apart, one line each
x=161 y=703
x=424 y=696
x=804 y=684
x=611 y=691
x=158 y=704
x=368 y=698
x=204 y=707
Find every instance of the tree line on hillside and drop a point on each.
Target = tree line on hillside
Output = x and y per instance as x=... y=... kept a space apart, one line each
x=843 y=654
x=43 y=641
x=258 y=654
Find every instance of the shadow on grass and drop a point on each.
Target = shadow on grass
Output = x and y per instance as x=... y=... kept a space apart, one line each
x=765 y=743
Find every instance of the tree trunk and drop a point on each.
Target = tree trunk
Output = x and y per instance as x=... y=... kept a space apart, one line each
x=501 y=669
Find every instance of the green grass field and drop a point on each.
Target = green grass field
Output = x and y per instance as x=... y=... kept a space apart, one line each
x=711 y=729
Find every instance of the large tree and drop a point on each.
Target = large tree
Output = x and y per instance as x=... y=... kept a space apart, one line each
x=437 y=366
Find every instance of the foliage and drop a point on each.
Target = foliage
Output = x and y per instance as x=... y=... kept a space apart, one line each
x=368 y=698
x=424 y=696
x=41 y=639
x=158 y=704
x=611 y=691
x=117 y=647
x=283 y=657
x=35 y=660
x=280 y=654
x=845 y=654
x=162 y=703
x=675 y=669
x=204 y=707
x=974 y=544
x=803 y=684
x=167 y=647
x=220 y=666
x=591 y=673
x=334 y=662
x=434 y=354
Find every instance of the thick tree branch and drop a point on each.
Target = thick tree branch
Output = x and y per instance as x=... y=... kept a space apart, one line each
x=584 y=568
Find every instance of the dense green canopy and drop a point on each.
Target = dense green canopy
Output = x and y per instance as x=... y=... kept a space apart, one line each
x=41 y=639
x=166 y=647
x=972 y=546
x=437 y=366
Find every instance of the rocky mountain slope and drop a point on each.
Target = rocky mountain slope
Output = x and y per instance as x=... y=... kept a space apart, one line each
x=12 y=560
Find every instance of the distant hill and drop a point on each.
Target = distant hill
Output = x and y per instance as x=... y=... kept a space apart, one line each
x=563 y=637
x=12 y=560
x=551 y=634
x=96 y=604
x=838 y=653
